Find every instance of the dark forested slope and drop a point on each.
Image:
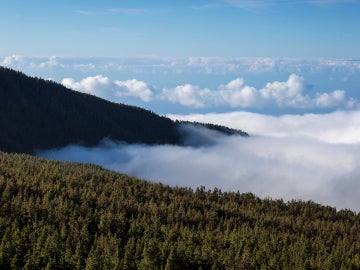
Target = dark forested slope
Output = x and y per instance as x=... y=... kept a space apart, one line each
x=58 y=215
x=40 y=114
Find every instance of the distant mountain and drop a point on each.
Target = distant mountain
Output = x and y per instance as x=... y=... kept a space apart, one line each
x=41 y=114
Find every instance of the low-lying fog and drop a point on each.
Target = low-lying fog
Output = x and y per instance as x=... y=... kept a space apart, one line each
x=307 y=157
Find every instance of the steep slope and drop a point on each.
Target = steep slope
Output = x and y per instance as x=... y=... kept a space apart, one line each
x=38 y=114
x=57 y=215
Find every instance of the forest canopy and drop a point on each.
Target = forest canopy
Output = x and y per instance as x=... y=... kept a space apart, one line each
x=61 y=215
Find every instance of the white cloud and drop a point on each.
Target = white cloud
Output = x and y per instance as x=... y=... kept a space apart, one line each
x=135 y=88
x=50 y=63
x=294 y=167
x=187 y=95
x=103 y=87
x=330 y=99
x=234 y=94
x=234 y=84
x=288 y=94
x=237 y=94
x=262 y=65
x=340 y=127
x=187 y=65
x=12 y=60
x=98 y=85
x=23 y=62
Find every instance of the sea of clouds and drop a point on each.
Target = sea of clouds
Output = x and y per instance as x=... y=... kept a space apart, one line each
x=307 y=157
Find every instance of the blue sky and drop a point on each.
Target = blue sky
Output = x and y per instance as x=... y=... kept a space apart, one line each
x=225 y=28
x=180 y=56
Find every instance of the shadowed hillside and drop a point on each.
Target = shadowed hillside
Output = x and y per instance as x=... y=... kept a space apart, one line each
x=38 y=114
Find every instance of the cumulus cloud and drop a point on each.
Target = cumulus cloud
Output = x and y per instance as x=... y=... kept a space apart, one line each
x=330 y=99
x=98 y=85
x=292 y=93
x=237 y=94
x=288 y=94
x=135 y=88
x=291 y=167
x=190 y=95
x=187 y=95
x=103 y=87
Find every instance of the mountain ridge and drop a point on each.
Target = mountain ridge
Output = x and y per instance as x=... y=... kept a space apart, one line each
x=38 y=114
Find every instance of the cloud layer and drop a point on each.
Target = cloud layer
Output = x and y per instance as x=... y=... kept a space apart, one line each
x=287 y=164
x=185 y=65
x=339 y=127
